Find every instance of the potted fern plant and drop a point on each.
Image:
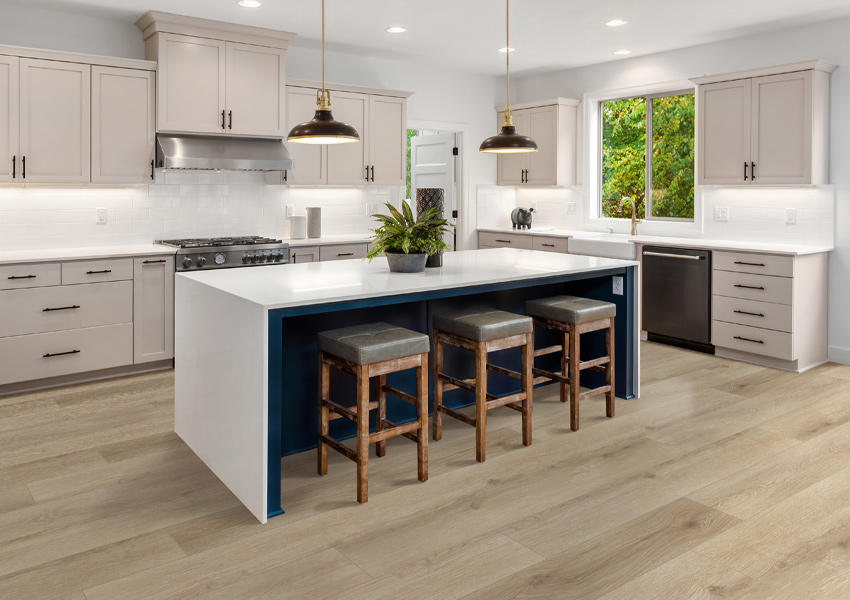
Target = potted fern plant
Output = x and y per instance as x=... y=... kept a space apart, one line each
x=407 y=241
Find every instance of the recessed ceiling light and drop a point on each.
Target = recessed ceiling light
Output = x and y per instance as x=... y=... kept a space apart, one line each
x=616 y=22
x=623 y=52
x=507 y=49
x=250 y=3
x=396 y=29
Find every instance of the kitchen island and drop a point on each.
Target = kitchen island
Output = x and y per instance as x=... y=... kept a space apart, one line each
x=245 y=344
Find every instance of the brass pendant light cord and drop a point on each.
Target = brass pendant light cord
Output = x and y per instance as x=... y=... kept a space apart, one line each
x=323 y=45
x=507 y=54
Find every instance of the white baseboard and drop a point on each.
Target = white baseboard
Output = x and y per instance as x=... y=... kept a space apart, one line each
x=839 y=354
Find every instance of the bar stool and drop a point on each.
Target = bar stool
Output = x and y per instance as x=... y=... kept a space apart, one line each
x=572 y=316
x=482 y=331
x=366 y=351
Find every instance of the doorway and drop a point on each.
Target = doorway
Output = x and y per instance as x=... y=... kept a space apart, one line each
x=433 y=161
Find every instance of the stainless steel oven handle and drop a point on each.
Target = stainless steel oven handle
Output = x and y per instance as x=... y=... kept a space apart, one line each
x=666 y=255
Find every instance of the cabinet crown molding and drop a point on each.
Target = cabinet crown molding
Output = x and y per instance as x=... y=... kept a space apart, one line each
x=153 y=22
x=73 y=57
x=341 y=87
x=811 y=65
x=552 y=102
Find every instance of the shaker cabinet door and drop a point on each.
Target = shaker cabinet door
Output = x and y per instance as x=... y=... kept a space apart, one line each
x=122 y=128
x=10 y=159
x=347 y=162
x=542 y=127
x=511 y=167
x=153 y=308
x=55 y=130
x=256 y=90
x=724 y=126
x=310 y=161
x=387 y=127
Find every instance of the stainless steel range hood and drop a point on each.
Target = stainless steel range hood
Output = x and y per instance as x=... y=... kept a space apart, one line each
x=223 y=153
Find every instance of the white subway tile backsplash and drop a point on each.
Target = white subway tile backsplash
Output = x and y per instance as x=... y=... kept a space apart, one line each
x=180 y=204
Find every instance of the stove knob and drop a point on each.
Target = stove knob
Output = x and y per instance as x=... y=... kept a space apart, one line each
x=187 y=262
x=245 y=258
x=278 y=256
x=253 y=258
x=201 y=261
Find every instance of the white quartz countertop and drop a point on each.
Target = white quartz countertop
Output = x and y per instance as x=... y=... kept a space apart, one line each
x=306 y=284
x=56 y=254
x=357 y=238
x=702 y=243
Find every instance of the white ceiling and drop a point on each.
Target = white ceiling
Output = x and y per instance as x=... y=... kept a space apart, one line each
x=548 y=34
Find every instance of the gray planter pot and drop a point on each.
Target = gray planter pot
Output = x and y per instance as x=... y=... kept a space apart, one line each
x=406 y=263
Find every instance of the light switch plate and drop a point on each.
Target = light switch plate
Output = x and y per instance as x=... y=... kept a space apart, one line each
x=790 y=216
x=618 y=285
x=721 y=213
x=571 y=208
x=101 y=216
x=371 y=209
x=290 y=210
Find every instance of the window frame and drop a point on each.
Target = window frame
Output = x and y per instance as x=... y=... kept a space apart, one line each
x=648 y=98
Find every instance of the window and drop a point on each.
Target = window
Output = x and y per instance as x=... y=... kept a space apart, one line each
x=648 y=155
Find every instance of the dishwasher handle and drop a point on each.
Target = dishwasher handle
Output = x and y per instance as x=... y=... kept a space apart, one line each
x=668 y=255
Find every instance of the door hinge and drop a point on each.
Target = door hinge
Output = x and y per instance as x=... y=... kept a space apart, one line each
x=454 y=151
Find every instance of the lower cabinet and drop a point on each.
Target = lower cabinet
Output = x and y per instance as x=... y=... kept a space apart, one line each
x=523 y=241
x=305 y=254
x=153 y=308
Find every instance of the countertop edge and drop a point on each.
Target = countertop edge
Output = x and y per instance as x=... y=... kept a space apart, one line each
x=10 y=257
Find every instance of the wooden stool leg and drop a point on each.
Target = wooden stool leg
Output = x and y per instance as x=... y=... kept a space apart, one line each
x=438 y=388
x=480 y=400
x=324 y=415
x=422 y=417
x=363 y=433
x=609 y=369
x=527 y=388
x=381 y=398
x=565 y=371
x=575 y=352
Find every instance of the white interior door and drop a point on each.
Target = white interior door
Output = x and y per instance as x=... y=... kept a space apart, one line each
x=432 y=165
x=9 y=120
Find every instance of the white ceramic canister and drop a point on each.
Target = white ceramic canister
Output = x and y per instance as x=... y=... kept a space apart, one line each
x=298 y=227
x=314 y=221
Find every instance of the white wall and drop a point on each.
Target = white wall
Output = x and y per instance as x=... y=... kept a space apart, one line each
x=827 y=41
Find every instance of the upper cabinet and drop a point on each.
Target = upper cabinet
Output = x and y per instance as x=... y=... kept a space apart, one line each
x=552 y=125
x=217 y=78
x=379 y=116
x=764 y=127
x=10 y=167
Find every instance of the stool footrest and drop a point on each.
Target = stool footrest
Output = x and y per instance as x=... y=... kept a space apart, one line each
x=537 y=380
x=464 y=384
x=549 y=350
x=342 y=411
x=516 y=407
x=596 y=362
x=399 y=394
x=595 y=392
x=550 y=376
x=504 y=400
x=342 y=449
x=504 y=371
x=457 y=415
x=409 y=435
x=393 y=431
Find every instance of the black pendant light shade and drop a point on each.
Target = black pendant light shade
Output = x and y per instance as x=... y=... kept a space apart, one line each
x=508 y=141
x=323 y=128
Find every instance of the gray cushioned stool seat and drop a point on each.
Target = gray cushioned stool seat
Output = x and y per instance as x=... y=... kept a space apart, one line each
x=373 y=342
x=482 y=324
x=570 y=309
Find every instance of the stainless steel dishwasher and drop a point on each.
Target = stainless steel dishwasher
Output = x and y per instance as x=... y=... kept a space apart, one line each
x=676 y=296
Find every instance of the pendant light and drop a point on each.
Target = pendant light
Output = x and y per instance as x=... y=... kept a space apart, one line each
x=508 y=141
x=323 y=129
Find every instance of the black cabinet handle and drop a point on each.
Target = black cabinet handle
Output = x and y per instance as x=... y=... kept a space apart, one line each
x=504 y=241
x=23 y=167
x=61 y=308
x=738 y=262
x=743 y=339
x=745 y=171
x=372 y=168
x=345 y=254
x=548 y=245
x=153 y=262
x=743 y=312
x=13 y=167
x=753 y=170
x=749 y=287
x=284 y=175
x=230 y=119
x=48 y=355
x=151 y=169
x=98 y=272
x=222 y=119
x=367 y=172
x=22 y=277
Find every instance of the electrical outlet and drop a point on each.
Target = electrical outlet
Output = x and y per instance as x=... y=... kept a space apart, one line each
x=290 y=210
x=571 y=208
x=618 y=285
x=371 y=209
x=790 y=216
x=101 y=215
x=721 y=214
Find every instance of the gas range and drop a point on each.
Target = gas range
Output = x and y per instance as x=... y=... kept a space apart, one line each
x=220 y=253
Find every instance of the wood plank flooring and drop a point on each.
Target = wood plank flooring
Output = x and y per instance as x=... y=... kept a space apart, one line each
x=725 y=480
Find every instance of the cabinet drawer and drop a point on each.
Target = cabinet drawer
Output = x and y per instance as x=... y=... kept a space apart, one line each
x=761 y=264
x=766 y=342
x=57 y=308
x=42 y=355
x=504 y=240
x=752 y=287
x=342 y=252
x=96 y=271
x=13 y=277
x=550 y=244
x=766 y=315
